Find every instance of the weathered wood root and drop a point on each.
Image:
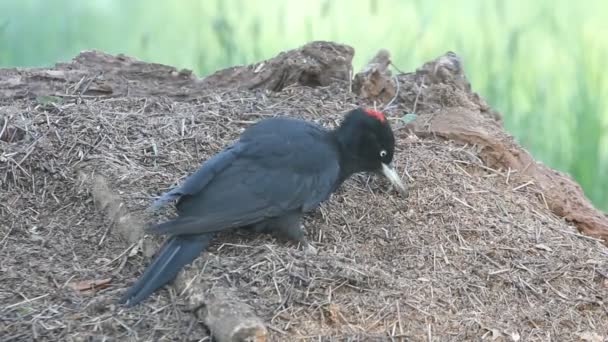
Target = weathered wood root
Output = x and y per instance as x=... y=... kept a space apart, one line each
x=374 y=81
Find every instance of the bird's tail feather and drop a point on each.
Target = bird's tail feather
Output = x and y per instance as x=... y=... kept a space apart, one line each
x=176 y=253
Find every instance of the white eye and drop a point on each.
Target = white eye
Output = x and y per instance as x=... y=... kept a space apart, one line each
x=382 y=154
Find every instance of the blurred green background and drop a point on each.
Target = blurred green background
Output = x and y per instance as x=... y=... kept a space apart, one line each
x=540 y=63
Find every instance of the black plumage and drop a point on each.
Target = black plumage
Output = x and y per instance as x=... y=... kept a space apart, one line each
x=279 y=169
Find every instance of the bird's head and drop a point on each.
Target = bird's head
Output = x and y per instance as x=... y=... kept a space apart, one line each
x=368 y=144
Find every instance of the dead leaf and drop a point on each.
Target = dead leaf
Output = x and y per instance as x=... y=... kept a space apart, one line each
x=590 y=336
x=333 y=313
x=136 y=248
x=496 y=334
x=543 y=247
x=514 y=336
x=102 y=260
x=90 y=284
x=259 y=68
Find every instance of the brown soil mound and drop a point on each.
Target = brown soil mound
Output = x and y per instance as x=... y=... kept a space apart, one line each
x=486 y=245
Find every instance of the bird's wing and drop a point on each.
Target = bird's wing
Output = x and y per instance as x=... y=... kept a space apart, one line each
x=270 y=177
x=199 y=179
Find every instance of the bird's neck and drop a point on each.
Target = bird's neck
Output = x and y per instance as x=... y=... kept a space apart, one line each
x=349 y=161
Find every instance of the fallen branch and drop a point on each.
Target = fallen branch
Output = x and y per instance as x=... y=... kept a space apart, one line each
x=227 y=318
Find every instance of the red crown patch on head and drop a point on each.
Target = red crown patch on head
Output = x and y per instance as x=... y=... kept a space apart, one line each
x=375 y=114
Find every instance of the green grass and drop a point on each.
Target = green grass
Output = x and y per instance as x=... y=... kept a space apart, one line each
x=539 y=63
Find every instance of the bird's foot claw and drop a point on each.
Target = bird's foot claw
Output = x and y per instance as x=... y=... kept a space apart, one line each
x=309 y=249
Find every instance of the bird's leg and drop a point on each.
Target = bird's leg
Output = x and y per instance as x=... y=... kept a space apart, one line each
x=296 y=233
x=290 y=227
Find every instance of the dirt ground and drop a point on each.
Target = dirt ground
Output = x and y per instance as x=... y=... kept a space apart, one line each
x=490 y=245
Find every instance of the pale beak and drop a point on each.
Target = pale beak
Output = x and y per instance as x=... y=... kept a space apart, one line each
x=393 y=177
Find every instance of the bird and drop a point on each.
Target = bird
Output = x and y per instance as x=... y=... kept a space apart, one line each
x=279 y=169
